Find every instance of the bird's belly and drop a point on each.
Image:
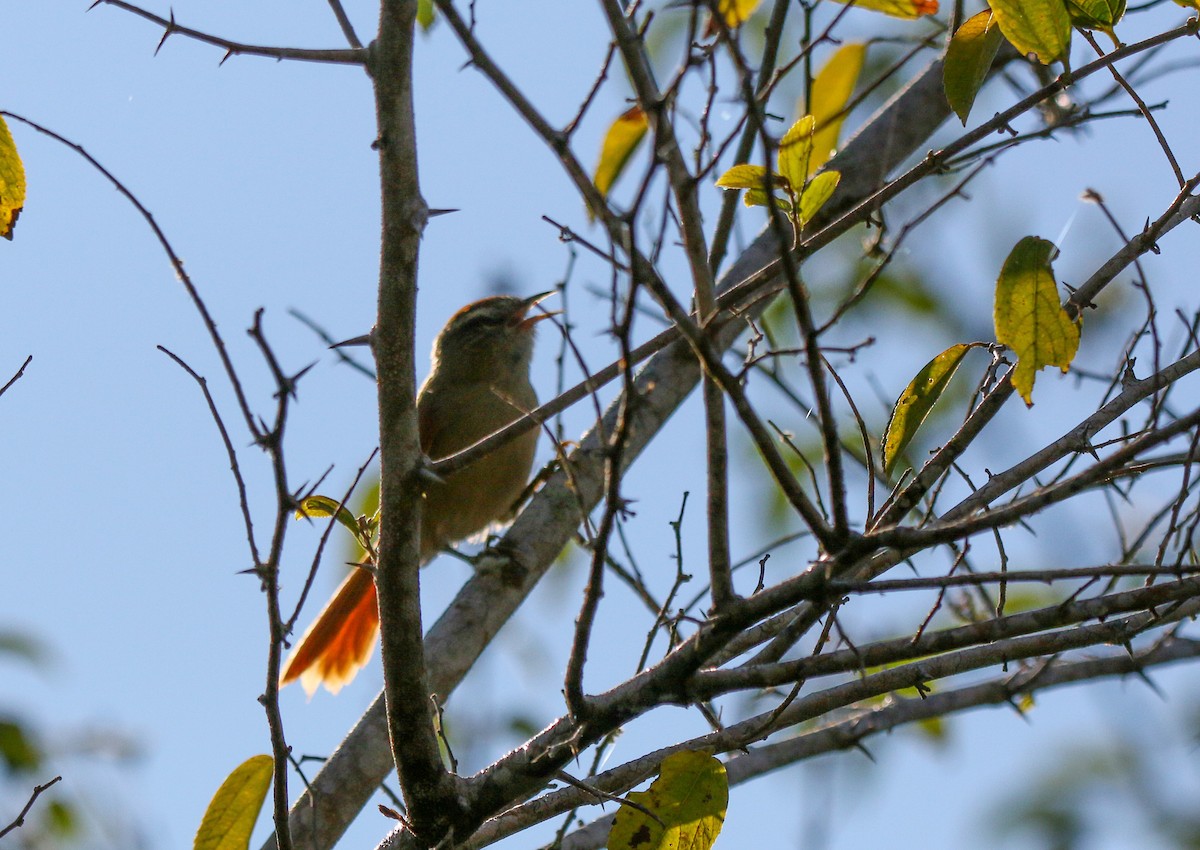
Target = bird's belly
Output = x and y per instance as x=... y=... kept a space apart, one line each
x=474 y=498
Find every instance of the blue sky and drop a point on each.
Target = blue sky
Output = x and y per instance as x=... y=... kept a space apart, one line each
x=125 y=541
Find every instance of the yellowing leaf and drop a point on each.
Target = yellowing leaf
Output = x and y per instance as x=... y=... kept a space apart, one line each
x=968 y=59
x=795 y=152
x=1042 y=27
x=759 y=198
x=321 y=506
x=736 y=12
x=688 y=799
x=620 y=142
x=918 y=398
x=831 y=92
x=1096 y=14
x=230 y=817
x=816 y=193
x=752 y=178
x=1029 y=318
x=12 y=182
x=425 y=14
x=898 y=8
x=744 y=177
x=934 y=729
x=795 y=149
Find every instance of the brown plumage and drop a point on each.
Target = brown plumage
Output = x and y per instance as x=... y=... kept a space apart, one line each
x=479 y=382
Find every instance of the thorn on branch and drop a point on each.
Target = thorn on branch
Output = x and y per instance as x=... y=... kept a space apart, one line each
x=1141 y=674
x=167 y=30
x=862 y=748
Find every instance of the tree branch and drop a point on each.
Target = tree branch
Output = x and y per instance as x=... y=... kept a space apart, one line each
x=430 y=791
x=354 y=56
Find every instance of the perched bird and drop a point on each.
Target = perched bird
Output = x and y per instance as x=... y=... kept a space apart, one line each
x=479 y=382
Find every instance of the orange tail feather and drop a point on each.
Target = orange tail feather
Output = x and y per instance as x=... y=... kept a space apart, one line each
x=340 y=640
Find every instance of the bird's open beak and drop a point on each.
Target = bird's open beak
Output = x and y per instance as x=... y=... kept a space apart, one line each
x=526 y=322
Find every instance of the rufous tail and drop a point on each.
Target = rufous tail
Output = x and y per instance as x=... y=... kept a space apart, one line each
x=340 y=640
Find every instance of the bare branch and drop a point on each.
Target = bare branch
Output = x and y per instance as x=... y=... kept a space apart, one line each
x=19 y=820
x=355 y=56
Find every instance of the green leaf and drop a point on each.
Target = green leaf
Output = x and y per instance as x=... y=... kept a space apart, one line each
x=1100 y=15
x=18 y=752
x=23 y=647
x=688 y=799
x=898 y=8
x=12 y=182
x=318 y=506
x=795 y=152
x=1029 y=318
x=1041 y=27
x=918 y=398
x=968 y=59
x=231 y=815
x=816 y=193
x=62 y=819
x=831 y=91
x=620 y=141
x=425 y=14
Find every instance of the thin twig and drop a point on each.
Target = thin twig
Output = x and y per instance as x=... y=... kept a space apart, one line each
x=344 y=22
x=19 y=821
x=17 y=376
x=355 y=56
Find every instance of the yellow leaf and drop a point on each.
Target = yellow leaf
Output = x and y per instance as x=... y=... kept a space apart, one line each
x=968 y=60
x=934 y=729
x=688 y=799
x=816 y=193
x=323 y=506
x=898 y=8
x=918 y=398
x=12 y=182
x=743 y=177
x=795 y=152
x=759 y=198
x=1029 y=318
x=1041 y=27
x=737 y=12
x=753 y=178
x=620 y=141
x=831 y=92
x=230 y=817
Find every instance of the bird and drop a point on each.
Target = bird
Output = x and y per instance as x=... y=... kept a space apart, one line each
x=477 y=384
